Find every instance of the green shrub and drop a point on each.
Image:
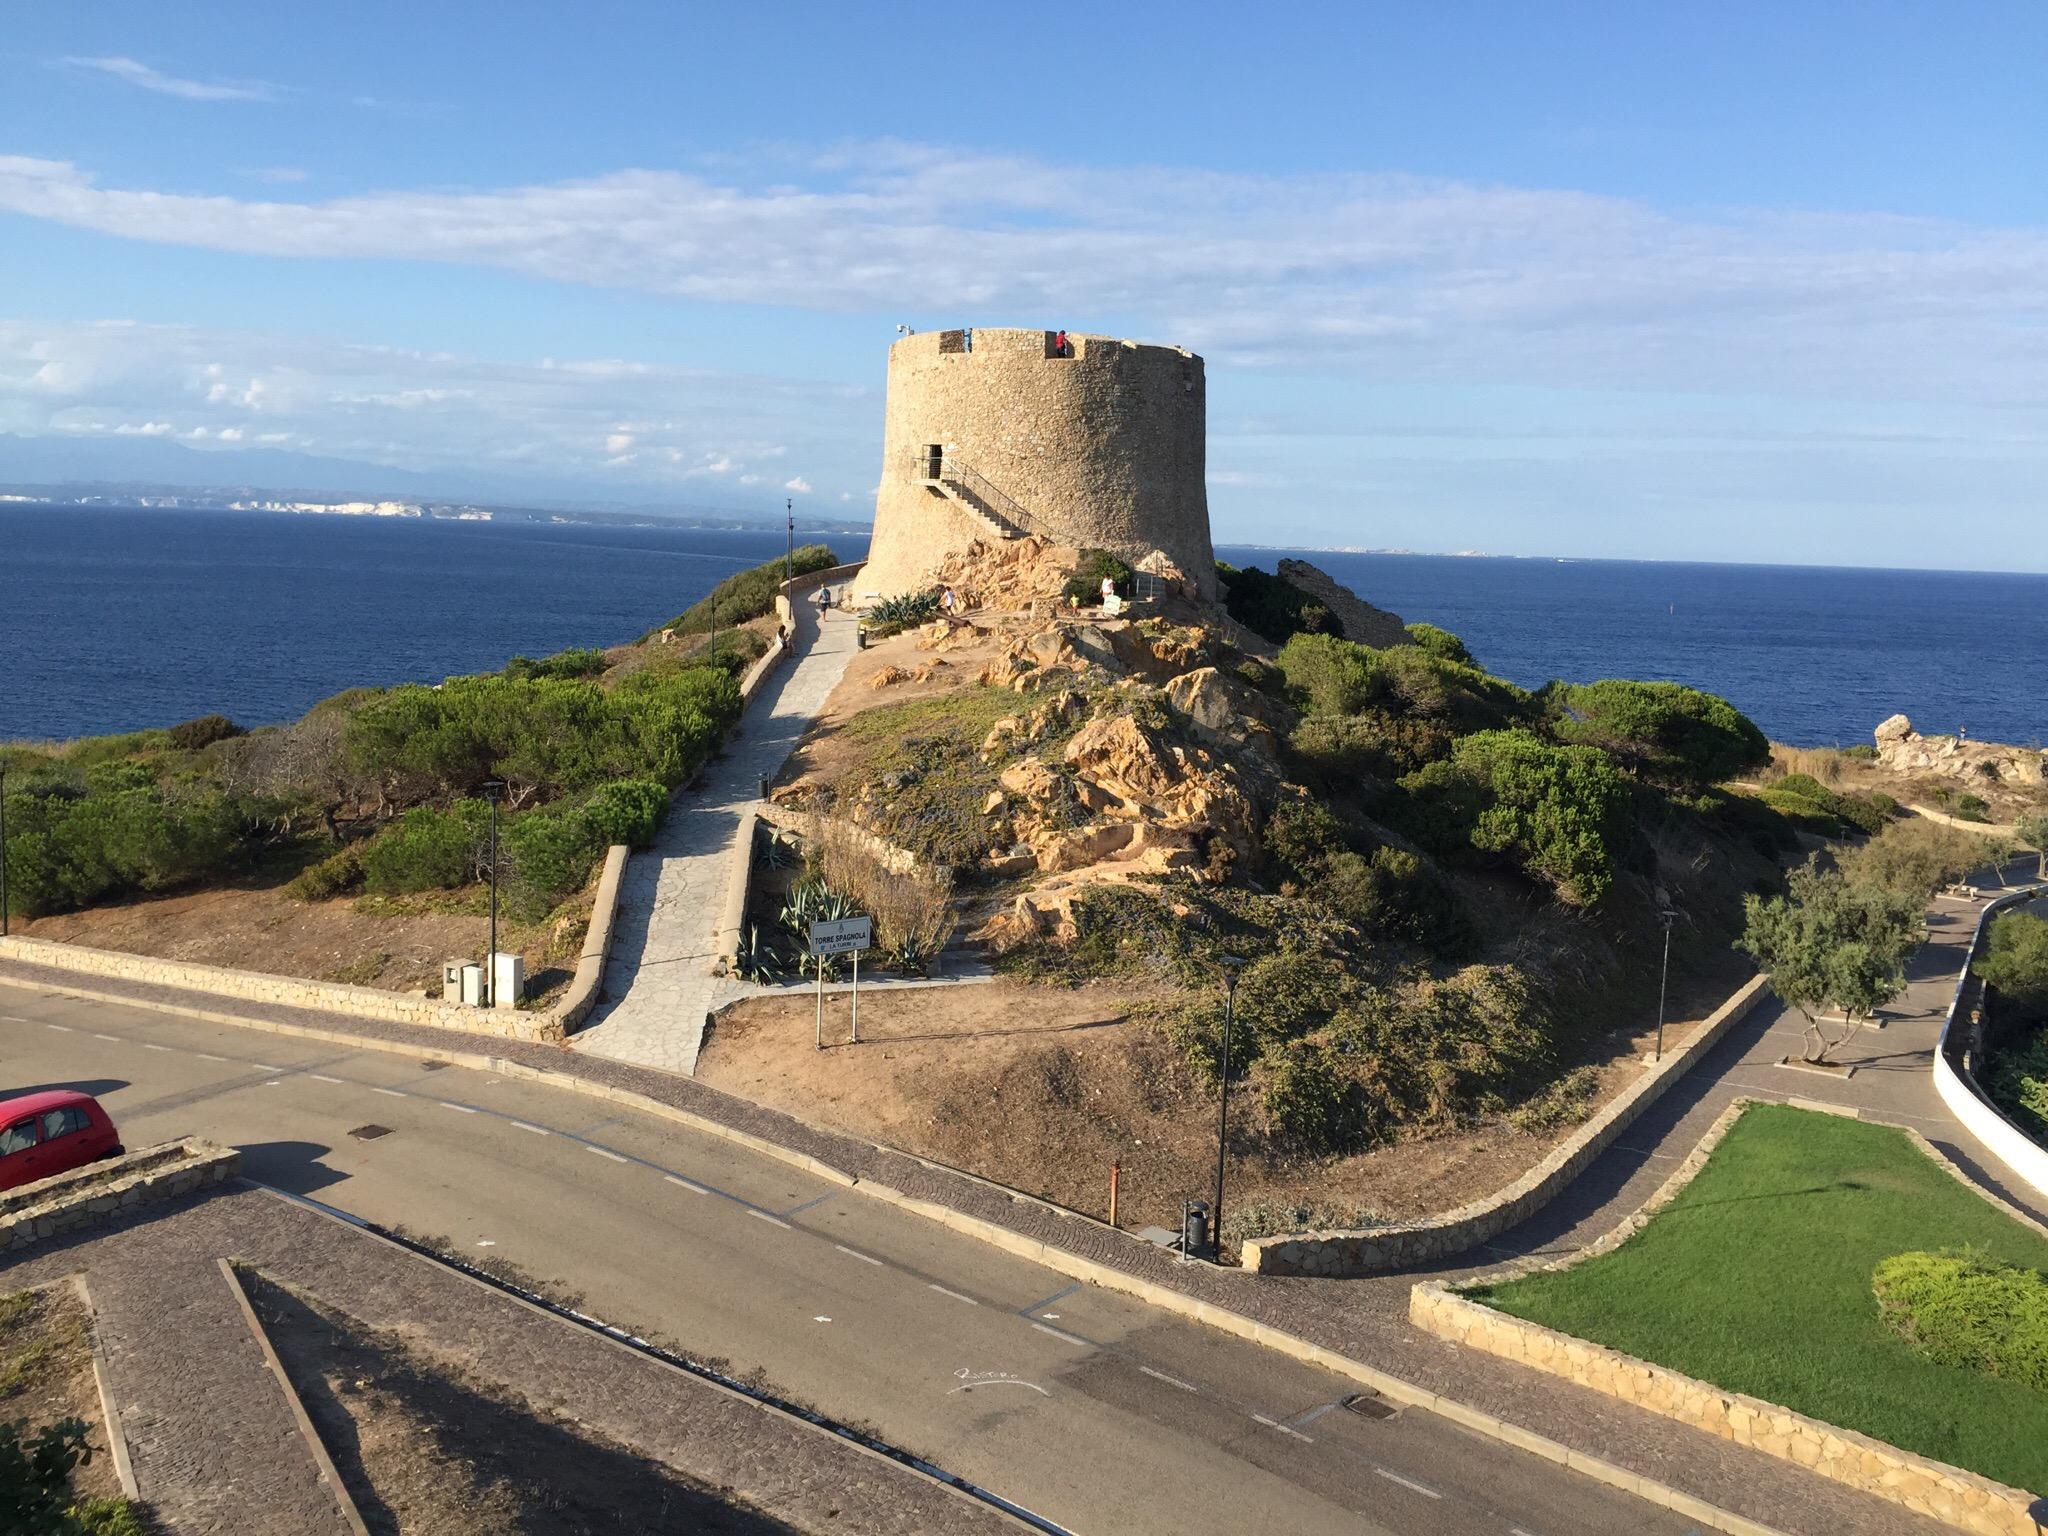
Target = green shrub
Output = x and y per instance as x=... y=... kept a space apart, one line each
x=191 y=735
x=1965 y=1309
x=746 y=594
x=1270 y=607
x=1665 y=732
x=1565 y=1102
x=1328 y=676
x=1395 y=894
x=1344 y=751
x=1559 y=813
x=547 y=856
x=630 y=811
x=1862 y=752
x=426 y=850
x=1971 y=807
x=1085 y=585
x=1312 y=1102
x=336 y=875
x=1442 y=644
x=2016 y=1077
x=70 y=847
x=577 y=662
x=893 y=615
x=2015 y=963
x=1916 y=856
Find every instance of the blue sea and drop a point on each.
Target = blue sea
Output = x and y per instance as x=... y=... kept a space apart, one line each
x=113 y=619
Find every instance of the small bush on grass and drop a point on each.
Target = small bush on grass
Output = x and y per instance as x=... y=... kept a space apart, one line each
x=1962 y=1308
x=336 y=875
x=191 y=735
x=426 y=849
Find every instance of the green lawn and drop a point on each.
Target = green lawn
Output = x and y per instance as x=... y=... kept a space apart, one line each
x=1757 y=1279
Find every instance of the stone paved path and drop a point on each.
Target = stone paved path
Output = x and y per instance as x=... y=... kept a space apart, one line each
x=659 y=975
x=218 y=1461
x=215 y=1448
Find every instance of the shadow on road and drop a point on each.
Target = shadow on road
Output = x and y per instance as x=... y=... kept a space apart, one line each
x=293 y=1166
x=98 y=1087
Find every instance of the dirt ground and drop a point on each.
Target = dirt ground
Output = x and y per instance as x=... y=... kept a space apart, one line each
x=425 y=1452
x=397 y=943
x=1041 y=1088
x=46 y=1375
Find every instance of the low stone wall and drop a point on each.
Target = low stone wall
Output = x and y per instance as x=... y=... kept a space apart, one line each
x=587 y=985
x=95 y=1194
x=286 y=991
x=1928 y=1487
x=1452 y=1232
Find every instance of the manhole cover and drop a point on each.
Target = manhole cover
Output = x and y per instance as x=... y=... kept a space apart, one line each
x=370 y=1132
x=432 y=1066
x=1369 y=1405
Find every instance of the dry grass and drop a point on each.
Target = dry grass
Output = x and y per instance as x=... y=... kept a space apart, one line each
x=1824 y=764
x=913 y=911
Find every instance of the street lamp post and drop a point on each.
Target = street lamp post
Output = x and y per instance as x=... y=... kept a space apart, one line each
x=1231 y=964
x=494 y=790
x=1667 y=916
x=788 y=543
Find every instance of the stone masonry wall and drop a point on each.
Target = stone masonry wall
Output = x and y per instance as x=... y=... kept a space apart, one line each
x=95 y=1194
x=1104 y=449
x=287 y=991
x=1962 y=1499
x=1452 y=1232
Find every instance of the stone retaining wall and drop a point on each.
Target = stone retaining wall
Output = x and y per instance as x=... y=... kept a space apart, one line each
x=1452 y=1232
x=287 y=991
x=95 y=1194
x=1960 y=1054
x=1928 y=1487
x=587 y=985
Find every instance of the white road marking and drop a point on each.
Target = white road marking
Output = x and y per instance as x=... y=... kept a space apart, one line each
x=932 y=1286
x=601 y=1152
x=821 y=1319
x=321 y=1077
x=393 y=1093
x=773 y=1221
x=855 y=1253
x=1409 y=1483
x=1516 y=1530
x=1284 y=1429
x=1063 y=1336
x=261 y=1066
x=147 y=1046
x=62 y=1029
x=1171 y=1381
x=538 y=1130
x=203 y=1056
x=460 y=1109
x=15 y=1018
x=695 y=1189
x=115 y=1038
x=487 y=1242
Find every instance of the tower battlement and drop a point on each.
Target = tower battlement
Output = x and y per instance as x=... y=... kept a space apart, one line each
x=995 y=432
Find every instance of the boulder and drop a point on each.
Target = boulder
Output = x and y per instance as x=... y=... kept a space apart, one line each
x=1904 y=750
x=1223 y=710
x=1362 y=623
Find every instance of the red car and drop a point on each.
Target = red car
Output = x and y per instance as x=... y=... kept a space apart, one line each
x=52 y=1132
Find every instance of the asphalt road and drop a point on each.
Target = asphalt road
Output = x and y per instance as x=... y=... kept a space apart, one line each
x=1086 y=1406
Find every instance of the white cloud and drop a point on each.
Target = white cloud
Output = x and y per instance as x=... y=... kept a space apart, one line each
x=618 y=442
x=798 y=484
x=134 y=72
x=1389 y=277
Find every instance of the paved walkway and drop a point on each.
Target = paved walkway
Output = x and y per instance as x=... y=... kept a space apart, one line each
x=216 y=1452
x=211 y=1435
x=659 y=975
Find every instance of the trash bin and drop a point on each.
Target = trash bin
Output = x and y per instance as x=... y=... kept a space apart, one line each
x=860 y=639
x=1194 y=1233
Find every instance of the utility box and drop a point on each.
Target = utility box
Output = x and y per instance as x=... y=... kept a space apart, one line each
x=508 y=979
x=473 y=985
x=451 y=982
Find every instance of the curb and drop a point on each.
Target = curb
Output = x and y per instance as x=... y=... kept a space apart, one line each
x=110 y=1413
x=1074 y=1266
x=307 y=1433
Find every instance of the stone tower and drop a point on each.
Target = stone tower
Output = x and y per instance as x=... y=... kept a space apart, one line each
x=994 y=434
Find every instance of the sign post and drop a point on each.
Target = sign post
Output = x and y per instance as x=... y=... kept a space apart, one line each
x=840 y=936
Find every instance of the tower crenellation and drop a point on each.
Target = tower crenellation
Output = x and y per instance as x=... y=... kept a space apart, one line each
x=996 y=433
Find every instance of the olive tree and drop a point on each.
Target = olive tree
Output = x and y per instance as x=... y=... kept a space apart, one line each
x=2033 y=832
x=1832 y=943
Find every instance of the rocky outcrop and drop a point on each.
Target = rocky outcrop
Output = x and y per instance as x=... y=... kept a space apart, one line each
x=1904 y=750
x=1224 y=711
x=1361 y=622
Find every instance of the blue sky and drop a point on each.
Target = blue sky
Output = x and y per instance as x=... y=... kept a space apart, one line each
x=1743 y=282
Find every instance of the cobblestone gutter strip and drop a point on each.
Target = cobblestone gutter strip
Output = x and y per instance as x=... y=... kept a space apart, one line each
x=1452 y=1232
x=110 y=1415
x=307 y=1433
x=1927 y=1487
x=1335 y=1324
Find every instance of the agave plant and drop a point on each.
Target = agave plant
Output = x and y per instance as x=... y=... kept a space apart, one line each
x=757 y=959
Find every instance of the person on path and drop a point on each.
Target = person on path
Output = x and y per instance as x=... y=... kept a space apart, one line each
x=948 y=602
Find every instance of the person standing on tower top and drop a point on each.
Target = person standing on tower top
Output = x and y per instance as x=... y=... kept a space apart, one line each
x=1059 y=344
